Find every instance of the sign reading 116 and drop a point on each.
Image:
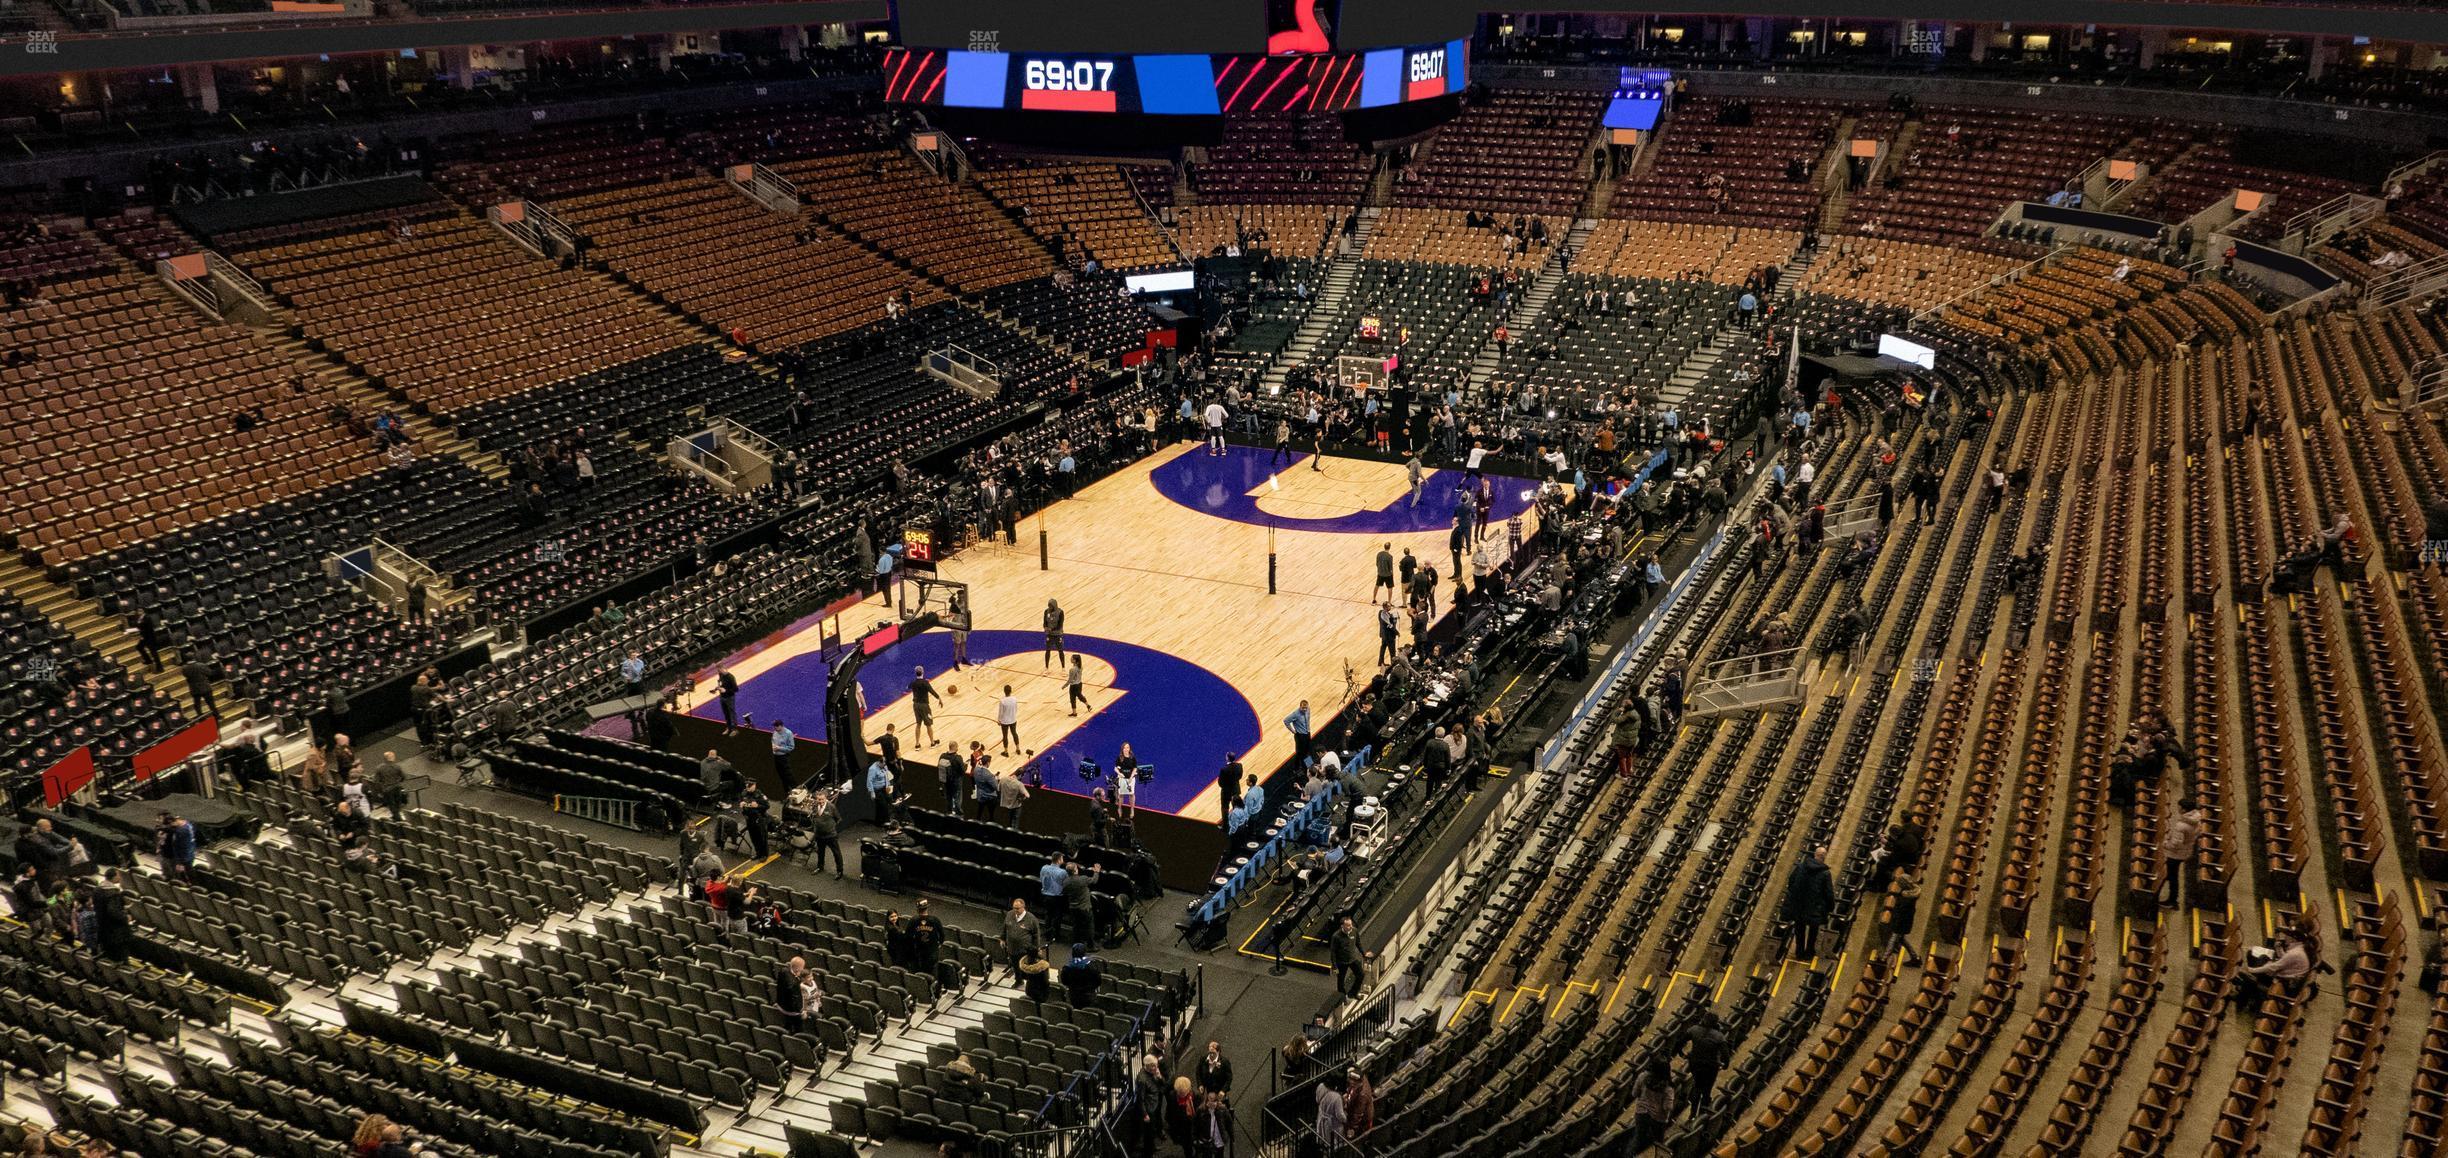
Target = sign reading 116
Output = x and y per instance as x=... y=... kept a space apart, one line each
x=1068 y=76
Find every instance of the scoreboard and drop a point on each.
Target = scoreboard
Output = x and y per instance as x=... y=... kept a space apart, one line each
x=1175 y=84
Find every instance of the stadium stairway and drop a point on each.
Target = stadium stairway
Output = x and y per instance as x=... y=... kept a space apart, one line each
x=1333 y=289
x=1533 y=305
x=1703 y=362
x=810 y=1106
x=100 y=630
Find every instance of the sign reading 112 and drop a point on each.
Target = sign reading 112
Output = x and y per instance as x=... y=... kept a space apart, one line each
x=1068 y=76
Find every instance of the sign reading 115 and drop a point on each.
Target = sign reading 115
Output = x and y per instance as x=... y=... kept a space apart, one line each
x=1068 y=76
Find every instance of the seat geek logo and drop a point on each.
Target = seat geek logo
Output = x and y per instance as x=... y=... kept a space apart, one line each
x=42 y=42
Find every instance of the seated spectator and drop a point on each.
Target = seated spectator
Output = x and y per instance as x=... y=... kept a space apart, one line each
x=1081 y=976
x=960 y=1080
x=2286 y=962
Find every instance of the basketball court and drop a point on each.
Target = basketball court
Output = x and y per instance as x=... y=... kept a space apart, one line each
x=1162 y=573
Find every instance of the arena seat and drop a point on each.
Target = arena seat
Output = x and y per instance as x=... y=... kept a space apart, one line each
x=428 y=316
x=710 y=250
x=1087 y=212
x=175 y=422
x=1281 y=159
x=1733 y=163
x=1966 y=162
x=941 y=228
x=1510 y=150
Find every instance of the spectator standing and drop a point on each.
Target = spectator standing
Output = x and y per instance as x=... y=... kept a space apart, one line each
x=783 y=744
x=1035 y=974
x=1051 y=879
x=791 y=983
x=1214 y=1071
x=176 y=842
x=1350 y=962
x=2176 y=846
x=926 y=938
x=30 y=899
x=1903 y=909
x=199 y=687
x=1012 y=792
x=111 y=927
x=716 y=774
x=955 y=774
x=982 y=782
x=880 y=789
x=1081 y=975
x=1331 y=1117
x=1709 y=1047
x=1810 y=896
x=421 y=696
x=1653 y=1104
x=1079 y=901
x=1359 y=1104
x=148 y=638
x=1021 y=931
x=824 y=830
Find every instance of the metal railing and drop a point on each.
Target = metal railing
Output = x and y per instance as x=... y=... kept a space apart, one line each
x=227 y=273
x=2420 y=279
x=519 y=228
x=749 y=440
x=1729 y=685
x=196 y=290
x=1303 y=819
x=610 y=810
x=2330 y=218
x=766 y=187
x=2430 y=386
x=946 y=149
x=964 y=368
x=551 y=226
x=1140 y=199
x=2414 y=168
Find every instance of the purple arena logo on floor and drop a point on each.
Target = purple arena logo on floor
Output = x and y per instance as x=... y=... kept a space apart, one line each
x=1176 y=715
x=1221 y=486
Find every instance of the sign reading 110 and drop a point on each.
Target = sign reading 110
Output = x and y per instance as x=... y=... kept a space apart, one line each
x=1068 y=76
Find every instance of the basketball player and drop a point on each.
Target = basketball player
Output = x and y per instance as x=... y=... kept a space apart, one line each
x=1385 y=570
x=1215 y=428
x=1007 y=717
x=1075 y=685
x=1053 y=633
x=922 y=705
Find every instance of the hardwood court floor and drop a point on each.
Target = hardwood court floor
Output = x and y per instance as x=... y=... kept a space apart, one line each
x=1162 y=571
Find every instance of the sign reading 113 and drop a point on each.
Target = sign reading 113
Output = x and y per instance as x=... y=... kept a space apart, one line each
x=1068 y=76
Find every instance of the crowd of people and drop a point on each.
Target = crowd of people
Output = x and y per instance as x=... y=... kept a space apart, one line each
x=60 y=892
